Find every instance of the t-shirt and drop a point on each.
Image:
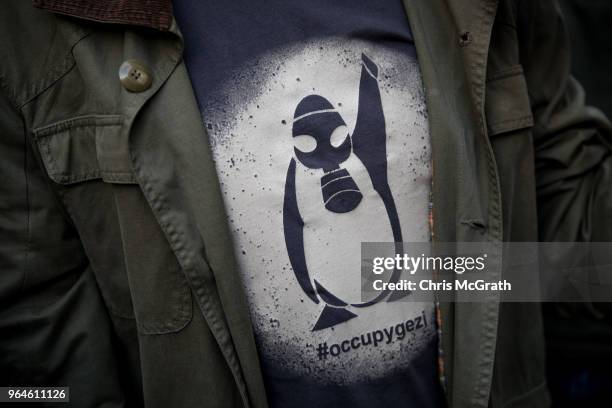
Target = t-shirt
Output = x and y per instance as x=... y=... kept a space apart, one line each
x=317 y=122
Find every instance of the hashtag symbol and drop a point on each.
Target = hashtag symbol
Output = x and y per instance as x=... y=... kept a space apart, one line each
x=322 y=351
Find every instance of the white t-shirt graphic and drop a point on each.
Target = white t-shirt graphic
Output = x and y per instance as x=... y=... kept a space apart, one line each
x=277 y=173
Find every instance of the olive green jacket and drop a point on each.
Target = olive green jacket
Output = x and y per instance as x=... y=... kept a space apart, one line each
x=117 y=276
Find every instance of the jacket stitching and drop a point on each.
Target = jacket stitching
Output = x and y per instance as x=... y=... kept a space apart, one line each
x=54 y=75
x=185 y=309
x=519 y=119
x=483 y=382
x=94 y=121
x=512 y=71
x=510 y=125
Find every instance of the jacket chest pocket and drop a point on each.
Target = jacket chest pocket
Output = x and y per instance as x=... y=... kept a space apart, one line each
x=88 y=159
x=509 y=124
x=507 y=105
x=85 y=148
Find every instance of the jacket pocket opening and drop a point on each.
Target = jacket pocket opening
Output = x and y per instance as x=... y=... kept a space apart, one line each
x=86 y=148
x=507 y=105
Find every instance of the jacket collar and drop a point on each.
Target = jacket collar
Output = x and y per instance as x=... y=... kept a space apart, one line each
x=156 y=14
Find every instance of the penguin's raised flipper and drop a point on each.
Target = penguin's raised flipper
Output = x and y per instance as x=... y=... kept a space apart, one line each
x=331 y=316
x=370 y=65
x=369 y=136
x=369 y=139
x=293 y=228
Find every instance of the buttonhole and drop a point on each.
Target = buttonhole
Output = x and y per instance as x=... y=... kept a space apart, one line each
x=475 y=224
x=465 y=39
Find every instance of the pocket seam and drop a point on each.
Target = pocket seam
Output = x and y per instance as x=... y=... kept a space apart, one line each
x=178 y=322
x=505 y=73
x=44 y=136
x=515 y=123
x=507 y=104
x=76 y=122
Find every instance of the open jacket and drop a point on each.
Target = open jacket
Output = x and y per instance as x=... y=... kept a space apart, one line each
x=117 y=276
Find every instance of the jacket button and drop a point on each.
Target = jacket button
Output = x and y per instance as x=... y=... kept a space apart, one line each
x=134 y=76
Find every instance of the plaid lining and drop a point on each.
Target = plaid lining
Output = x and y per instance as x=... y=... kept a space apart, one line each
x=155 y=14
x=441 y=371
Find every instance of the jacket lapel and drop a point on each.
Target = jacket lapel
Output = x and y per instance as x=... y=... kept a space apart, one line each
x=452 y=38
x=174 y=167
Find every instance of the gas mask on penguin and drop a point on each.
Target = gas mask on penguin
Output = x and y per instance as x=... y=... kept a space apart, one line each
x=316 y=117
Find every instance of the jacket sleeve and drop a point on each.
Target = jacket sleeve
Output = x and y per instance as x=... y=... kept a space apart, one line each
x=573 y=142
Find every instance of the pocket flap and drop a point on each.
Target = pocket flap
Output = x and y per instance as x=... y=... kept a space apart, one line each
x=86 y=148
x=507 y=105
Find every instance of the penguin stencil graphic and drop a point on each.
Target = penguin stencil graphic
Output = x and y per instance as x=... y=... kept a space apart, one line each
x=316 y=117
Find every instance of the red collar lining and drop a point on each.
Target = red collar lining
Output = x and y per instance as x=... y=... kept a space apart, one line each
x=155 y=14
